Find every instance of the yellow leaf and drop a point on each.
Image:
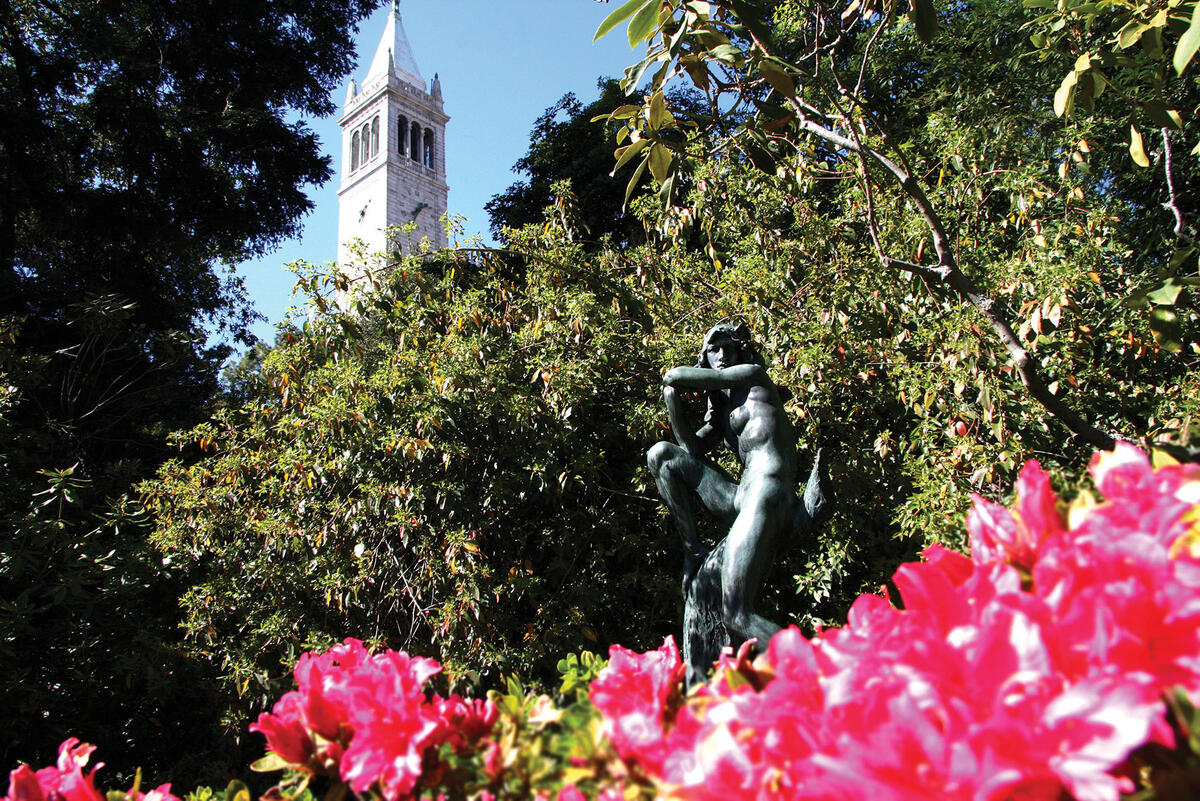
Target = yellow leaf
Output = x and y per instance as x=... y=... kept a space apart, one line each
x=1137 y=148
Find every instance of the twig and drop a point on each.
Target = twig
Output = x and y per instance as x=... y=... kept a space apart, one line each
x=1173 y=202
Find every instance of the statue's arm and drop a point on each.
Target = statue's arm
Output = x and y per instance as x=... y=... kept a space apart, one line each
x=704 y=378
x=697 y=443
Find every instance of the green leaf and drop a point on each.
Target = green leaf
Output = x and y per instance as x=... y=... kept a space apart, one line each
x=778 y=77
x=1159 y=114
x=1137 y=149
x=726 y=52
x=620 y=15
x=760 y=157
x=271 y=762
x=1180 y=256
x=660 y=162
x=1166 y=293
x=1164 y=324
x=641 y=26
x=625 y=154
x=1064 y=98
x=1188 y=43
x=668 y=187
x=658 y=111
x=922 y=13
x=633 y=75
x=1129 y=35
x=753 y=21
x=637 y=176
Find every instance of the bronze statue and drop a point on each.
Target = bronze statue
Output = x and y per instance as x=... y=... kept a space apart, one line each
x=745 y=410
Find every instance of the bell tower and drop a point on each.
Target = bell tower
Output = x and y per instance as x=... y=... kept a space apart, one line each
x=393 y=151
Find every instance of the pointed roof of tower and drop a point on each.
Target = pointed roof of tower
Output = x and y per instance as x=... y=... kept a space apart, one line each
x=394 y=54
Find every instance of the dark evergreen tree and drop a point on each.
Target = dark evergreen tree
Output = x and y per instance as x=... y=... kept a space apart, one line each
x=566 y=145
x=143 y=145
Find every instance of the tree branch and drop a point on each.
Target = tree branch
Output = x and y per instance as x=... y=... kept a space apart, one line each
x=947 y=272
x=1172 y=203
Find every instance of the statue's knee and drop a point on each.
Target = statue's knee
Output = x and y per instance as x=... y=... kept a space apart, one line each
x=659 y=455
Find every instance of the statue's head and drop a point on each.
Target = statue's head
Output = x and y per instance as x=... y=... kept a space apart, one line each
x=736 y=337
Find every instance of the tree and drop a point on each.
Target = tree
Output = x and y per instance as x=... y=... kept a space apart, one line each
x=142 y=147
x=454 y=467
x=824 y=81
x=565 y=145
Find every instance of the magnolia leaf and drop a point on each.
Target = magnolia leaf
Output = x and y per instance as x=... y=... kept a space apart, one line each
x=1166 y=293
x=760 y=157
x=1188 y=43
x=1137 y=149
x=1064 y=98
x=726 y=52
x=642 y=25
x=1128 y=36
x=637 y=176
x=622 y=13
x=1180 y=256
x=922 y=13
x=778 y=77
x=1152 y=43
x=1085 y=90
x=633 y=75
x=668 y=186
x=660 y=162
x=1164 y=324
x=625 y=154
x=658 y=111
x=753 y=20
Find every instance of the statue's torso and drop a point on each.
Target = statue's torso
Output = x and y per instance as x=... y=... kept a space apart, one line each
x=760 y=432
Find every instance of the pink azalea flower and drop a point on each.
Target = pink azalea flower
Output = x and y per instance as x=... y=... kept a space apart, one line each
x=633 y=693
x=286 y=733
x=998 y=534
x=65 y=781
x=570 y=793
x=160 y=793
x=1031 y=671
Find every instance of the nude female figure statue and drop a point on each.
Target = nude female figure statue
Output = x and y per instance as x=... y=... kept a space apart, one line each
x=745 y=410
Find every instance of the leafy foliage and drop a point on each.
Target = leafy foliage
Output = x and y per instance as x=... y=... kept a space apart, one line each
x=931 y=146
x=142 y=145
x=453 y=468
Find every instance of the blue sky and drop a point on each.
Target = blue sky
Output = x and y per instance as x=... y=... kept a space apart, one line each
x=502 y=63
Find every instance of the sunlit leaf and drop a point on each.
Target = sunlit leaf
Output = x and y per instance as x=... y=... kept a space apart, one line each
x=1188 y=43
x=1137 y=148
x=778 y=77
x=622 y=13
x=660 y=162
x=625 y=154
x=1064 y=98
x=642 y=25
x=1164 y=324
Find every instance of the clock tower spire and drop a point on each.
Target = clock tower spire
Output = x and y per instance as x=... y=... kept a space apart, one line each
x=393 y=169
